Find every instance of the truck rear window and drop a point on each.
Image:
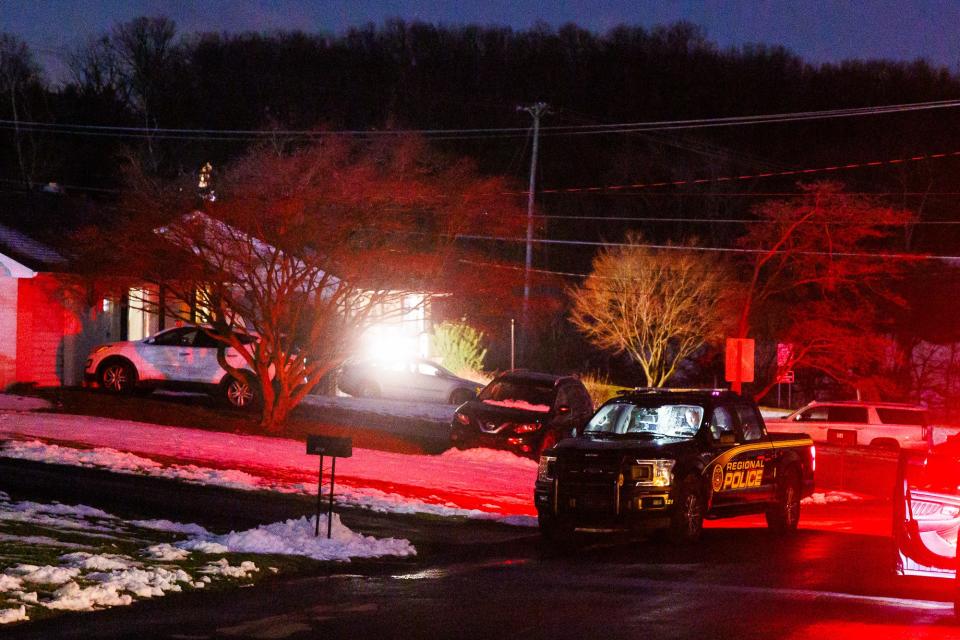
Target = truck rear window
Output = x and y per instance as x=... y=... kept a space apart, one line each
x=902 y=416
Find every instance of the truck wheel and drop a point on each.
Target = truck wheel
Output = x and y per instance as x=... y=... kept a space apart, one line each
x=687 y=520
x=553 y=531
x=784 y=516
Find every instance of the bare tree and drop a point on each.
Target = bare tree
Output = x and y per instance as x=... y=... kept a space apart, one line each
x=657 y=306
x=305 y=251
x=18 y=70
x=813 y=259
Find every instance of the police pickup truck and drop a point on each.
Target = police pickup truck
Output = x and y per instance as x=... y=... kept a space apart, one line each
x=667 y=459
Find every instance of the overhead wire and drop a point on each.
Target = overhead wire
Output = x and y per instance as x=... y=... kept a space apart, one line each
x=460 y=133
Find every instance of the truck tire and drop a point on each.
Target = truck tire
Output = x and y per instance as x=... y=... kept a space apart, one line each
x=784 y=515
x=686 y=523
x=553 y=531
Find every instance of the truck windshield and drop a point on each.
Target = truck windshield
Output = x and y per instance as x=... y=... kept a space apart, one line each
x=621 y=418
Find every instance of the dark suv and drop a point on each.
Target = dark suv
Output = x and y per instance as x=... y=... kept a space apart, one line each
x=523 y=411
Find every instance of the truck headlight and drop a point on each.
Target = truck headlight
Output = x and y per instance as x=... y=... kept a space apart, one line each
x=652 y=473
x=546 y=470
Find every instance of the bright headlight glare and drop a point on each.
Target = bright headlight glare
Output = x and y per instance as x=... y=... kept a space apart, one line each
x=545 y=470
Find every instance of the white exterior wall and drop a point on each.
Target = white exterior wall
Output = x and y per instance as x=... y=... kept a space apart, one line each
x=8 y=331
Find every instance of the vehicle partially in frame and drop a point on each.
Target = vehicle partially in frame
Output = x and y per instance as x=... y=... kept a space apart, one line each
x=926 y=515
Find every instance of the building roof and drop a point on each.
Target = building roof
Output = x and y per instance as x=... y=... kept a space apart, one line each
x=28 y=252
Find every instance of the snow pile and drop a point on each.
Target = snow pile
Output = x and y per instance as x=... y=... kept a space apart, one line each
x=223 y=568
x=296 y=537
x=165 y=552
x=85 y=580
x=9 y=402
x=43 y=575
x=9 y=583
x=13 y=615
x=831 y=497
x=523 y=405
x=172 y=527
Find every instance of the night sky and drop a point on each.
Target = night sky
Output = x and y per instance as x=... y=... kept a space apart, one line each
x=820 y=31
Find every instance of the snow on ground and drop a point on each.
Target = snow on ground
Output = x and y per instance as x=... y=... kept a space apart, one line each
x=9 y=402
x=418 y=409
x=119 y=572
x=475 y=483
x=832 y=497
x=296 y=537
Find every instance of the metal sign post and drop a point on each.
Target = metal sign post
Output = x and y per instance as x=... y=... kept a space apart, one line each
x=335 y=448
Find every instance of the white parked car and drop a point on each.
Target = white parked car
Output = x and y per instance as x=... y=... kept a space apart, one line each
x=888 y=425
x=184 y=358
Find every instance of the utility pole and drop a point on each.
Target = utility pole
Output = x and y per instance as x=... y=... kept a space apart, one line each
x=536 y=110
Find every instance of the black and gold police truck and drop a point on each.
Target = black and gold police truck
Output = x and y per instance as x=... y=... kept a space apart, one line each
x=667 y=459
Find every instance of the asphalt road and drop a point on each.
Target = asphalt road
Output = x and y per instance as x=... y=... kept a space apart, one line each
x=482 y=580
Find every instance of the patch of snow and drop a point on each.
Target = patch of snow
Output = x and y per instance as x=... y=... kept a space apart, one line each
x=73 y=597
x=45 y=574
x=165 y=552
x=10 y=402
x=296 y=537
x=147 y=582
x=172 y=527
x=476 y=483
x=42 y=541
x=13 y=615
x=489 y=456
x=203 y=546
x=223 y=568
x=97 y=562
x=9 y=583
x=831 y=497
x=523 y=405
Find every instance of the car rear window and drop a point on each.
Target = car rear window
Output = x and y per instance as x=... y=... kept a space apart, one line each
x=902 y=416
x=520 y=394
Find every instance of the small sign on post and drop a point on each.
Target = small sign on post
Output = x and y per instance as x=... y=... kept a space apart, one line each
x=335 y=448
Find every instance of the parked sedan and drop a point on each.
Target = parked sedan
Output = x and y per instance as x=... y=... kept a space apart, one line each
x=415 y=379
x=524 y=411
x=183 y=358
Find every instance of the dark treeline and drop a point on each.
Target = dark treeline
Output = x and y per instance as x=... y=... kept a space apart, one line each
x=421 y=76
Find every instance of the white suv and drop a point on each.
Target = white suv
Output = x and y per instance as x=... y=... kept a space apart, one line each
x=887 y=425
x=184 y=358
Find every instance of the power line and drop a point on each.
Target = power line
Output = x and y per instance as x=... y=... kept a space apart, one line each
x=592 y=129
x=741 y=178
x=670 y=247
